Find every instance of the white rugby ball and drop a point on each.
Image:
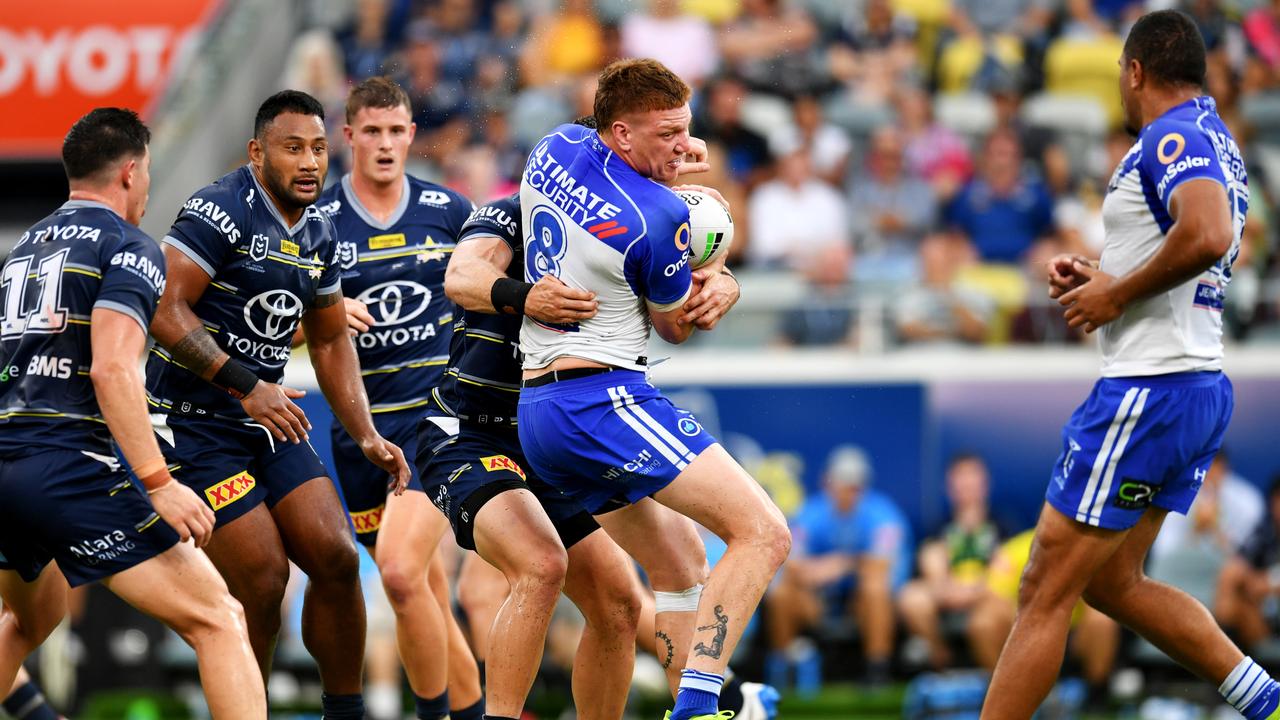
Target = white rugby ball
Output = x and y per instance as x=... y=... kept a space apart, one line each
x=710 y=227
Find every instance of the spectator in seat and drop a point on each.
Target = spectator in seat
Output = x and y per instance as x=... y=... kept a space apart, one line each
x=852 y=553
x=953 y=566
x=891 y=211
x=1001 y=212
x=1249 y=585
x=681 y=41
x=720 y=121
x=939 y=310
x=826 y=317
x=828 y=145
x=795 y=216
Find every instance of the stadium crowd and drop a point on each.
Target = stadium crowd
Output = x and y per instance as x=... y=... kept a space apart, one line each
x=927 y=152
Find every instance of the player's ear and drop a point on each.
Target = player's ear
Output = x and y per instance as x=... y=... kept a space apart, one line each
x=256 y=151
x=621 y=134
x=413 y=131
x=347 y=133
x=1136 y=73
x=127 y=170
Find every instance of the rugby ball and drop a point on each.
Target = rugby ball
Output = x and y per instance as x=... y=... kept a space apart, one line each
x=710 y=227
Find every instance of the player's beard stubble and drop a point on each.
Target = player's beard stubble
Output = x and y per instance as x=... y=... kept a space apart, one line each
x=283 y=190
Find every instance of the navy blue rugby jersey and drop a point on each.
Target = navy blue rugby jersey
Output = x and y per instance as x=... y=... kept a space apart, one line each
x=397 y=269
x=482 y=383
x=83 y=256
x=265 y=274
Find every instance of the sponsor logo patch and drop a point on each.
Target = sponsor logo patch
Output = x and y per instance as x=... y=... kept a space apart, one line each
x=382 y=242
x=369 y=520
x=682 y=237
x=1170 y=147
x=224 y=493
x=289 y=247
x=1134 y=494
x=494 y=463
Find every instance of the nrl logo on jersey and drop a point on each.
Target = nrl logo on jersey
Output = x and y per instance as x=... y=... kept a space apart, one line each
x=434 y=197
x=348 y=254
x=259 y=246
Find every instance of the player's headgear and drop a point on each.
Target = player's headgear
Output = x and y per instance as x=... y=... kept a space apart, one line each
x=1169 y=47
x=630 y=86
x=376 y=92
x=102 y=137
x=285 y=101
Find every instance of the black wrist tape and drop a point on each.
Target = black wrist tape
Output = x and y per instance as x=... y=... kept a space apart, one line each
x=236 y=379
x=508 y=295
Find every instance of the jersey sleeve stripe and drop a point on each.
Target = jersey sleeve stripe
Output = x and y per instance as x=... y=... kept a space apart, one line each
x=185 y=249
x=124 y=310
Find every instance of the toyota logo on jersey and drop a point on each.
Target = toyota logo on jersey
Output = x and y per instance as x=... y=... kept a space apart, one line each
x=396 y=301
x=273 y=314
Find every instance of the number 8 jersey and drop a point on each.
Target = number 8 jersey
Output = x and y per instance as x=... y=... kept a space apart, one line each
x=83 y=256
x=595 y=223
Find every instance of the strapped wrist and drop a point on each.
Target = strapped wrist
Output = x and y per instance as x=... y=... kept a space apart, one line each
x=508 y=295
x=235 y=379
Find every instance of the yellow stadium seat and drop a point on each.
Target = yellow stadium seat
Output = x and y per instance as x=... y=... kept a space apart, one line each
x=962 y=57
x=1091 y=66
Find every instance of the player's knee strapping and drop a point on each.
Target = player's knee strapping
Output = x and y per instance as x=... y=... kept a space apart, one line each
x=679 y=601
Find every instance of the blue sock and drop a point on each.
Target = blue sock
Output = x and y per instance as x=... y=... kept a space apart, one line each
x=1252 y=691
x=342 y=707
x=474 y=712
x=699 y=694
x=28 y=703
x=436 y=708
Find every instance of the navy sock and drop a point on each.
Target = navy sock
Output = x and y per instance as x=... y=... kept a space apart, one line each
x=473 y=712
x=342 y=707
x=435 y=708
x=28 y=703
x=731 y=695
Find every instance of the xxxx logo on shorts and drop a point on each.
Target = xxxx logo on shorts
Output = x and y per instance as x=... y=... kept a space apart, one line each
x=502 y=462
x=230 y=490
x=369 y=520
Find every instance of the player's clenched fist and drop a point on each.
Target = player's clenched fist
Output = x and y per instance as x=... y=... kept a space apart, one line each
x=185 y=512
x=1062 y=274
x=272 y=406
x=551 y=301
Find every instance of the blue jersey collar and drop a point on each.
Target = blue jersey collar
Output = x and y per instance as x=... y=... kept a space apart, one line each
x=367 y=216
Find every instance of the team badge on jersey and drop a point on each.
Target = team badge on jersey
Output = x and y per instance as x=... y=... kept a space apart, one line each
x=347 y=254
x=259 y=247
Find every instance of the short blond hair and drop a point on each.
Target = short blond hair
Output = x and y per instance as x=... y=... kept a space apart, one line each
x=641 y=85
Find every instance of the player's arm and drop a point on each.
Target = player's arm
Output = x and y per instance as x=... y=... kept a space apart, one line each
x=338 y=371
x=1200 y=235
x=178 y=330
x=118 y=342
x=476 y=279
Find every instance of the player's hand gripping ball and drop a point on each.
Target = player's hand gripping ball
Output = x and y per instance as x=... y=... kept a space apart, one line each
x=710 y=227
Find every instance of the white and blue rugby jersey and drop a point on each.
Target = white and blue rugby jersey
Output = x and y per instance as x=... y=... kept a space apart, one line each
x=397 y=269
x=264 y=275
x=1181 y=329
x=83 y=256
x=595 y=223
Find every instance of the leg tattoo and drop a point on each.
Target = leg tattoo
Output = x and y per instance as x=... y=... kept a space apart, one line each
x=666 y=641
x=721 y=626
